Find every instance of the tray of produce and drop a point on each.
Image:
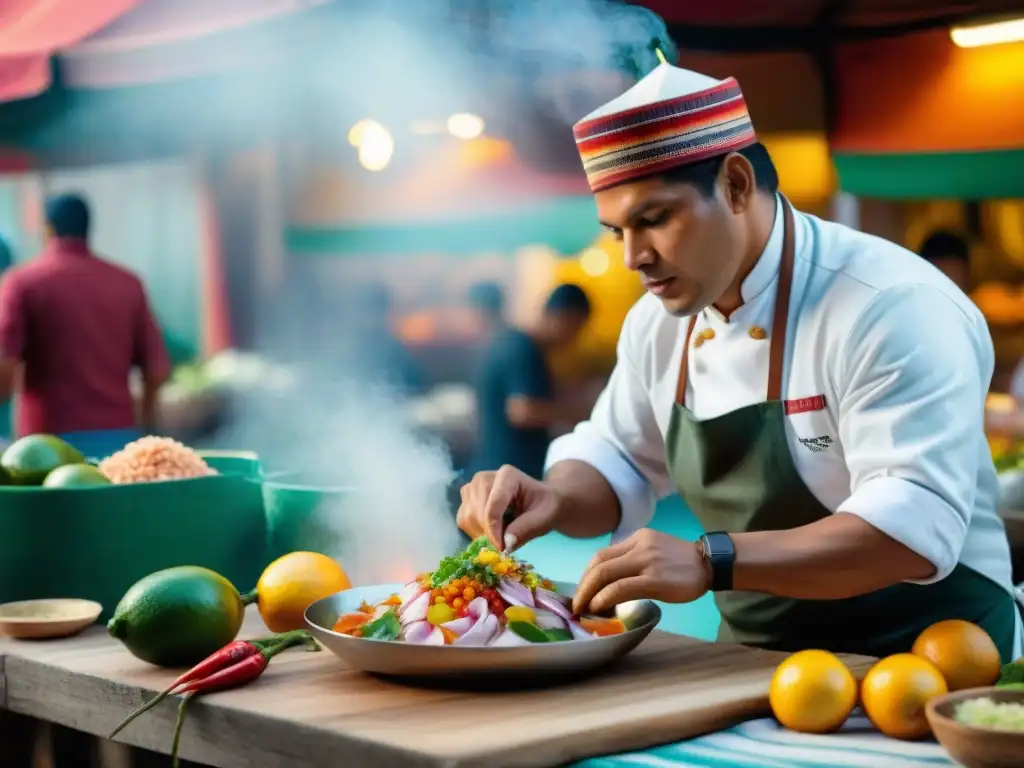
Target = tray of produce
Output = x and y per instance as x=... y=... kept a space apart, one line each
x=481 y=614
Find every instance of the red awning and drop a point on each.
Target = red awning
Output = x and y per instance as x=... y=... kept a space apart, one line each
x=110 y=43
x=31 y=31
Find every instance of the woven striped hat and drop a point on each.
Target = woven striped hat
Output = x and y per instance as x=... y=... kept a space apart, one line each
x=670 y=118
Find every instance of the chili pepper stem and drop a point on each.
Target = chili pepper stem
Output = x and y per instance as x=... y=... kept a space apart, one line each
x=178 y=725
x=140 y=711
x=250 y=597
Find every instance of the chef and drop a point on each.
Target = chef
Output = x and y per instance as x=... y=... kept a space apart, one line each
x=813 y=393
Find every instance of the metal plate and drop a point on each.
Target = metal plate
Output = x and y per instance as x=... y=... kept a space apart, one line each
x=527 y=665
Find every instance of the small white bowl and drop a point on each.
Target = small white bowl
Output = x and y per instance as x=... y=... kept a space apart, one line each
x=43 y=619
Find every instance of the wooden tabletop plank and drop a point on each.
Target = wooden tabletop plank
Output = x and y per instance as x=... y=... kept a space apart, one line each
x=311 y=709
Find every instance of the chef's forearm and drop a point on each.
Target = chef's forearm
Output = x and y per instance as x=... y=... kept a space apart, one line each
x=587 y=505
x=839 y=556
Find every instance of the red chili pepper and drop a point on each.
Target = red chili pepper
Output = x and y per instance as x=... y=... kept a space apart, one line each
x=240 y=673
x=244 y=671
x=226 y=656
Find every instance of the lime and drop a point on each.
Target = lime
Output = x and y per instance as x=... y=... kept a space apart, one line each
x=178 y=616
x=76 y=476
x=29 y=460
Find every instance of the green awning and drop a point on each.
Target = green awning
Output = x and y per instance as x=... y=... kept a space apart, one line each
x=933 y=175
x=567 y=225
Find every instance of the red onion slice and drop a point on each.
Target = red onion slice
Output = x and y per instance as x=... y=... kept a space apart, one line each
x=566 y=601
x=418 y=632
x=480 y=633
x=578 y=632
x=410 y=592
x=416 y=610
x=459 y=626
x=507 y=638
x=549 y=620
x=552 y=602
x=436 y=637
x=477 y=608
x=514 y=593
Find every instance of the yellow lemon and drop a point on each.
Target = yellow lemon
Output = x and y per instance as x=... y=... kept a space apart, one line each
x=292 y=583
x=964 y=653
x=812 y=692
x=895 y=691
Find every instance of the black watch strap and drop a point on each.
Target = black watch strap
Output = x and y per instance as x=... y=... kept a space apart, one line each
x=720 y=554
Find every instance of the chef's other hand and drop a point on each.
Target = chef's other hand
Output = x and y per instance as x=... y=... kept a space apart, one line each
x=648 y=565
x=487 y=497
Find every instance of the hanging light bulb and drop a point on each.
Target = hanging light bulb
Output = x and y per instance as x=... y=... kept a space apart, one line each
x=376 y=147
x=465 y=126
x=360 y=129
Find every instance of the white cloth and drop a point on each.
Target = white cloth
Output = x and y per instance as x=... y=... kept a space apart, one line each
x=902 y=357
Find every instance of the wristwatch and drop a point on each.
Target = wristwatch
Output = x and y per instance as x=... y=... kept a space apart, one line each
x=718 y=550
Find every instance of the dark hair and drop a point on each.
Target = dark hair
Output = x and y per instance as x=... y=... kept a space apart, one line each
x=68 y=216
x=487 y=298
x=703 y=175
x=945 y=245
x=568 y=298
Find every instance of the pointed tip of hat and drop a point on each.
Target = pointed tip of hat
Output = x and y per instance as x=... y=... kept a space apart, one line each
x=665 y=81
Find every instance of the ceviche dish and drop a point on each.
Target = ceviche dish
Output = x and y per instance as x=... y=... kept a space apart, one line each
x=480 y=597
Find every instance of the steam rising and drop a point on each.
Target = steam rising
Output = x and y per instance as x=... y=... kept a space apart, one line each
x=341 y=426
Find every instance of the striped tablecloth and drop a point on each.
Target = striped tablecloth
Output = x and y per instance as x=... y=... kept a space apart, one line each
x=765 y=744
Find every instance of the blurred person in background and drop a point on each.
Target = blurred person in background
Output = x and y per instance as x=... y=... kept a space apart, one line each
x=516 y=406
x=487 y=301
x=72 y=328
x=950 y=254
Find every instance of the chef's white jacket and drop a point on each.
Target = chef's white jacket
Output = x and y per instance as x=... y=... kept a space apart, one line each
x=902 y=357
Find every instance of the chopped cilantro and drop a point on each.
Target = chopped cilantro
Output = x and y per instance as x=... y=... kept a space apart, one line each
x=1011 y=673
x=465 y=564
x=385 y=627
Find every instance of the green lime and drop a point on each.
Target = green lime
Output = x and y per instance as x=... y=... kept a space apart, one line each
x=177 y=617
x=76 y=476
x=29 y=460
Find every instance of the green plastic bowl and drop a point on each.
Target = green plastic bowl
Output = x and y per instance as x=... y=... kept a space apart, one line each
x=94 y=543
x=304 y=513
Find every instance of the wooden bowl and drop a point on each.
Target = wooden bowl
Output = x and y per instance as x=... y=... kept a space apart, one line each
x=41 y=619
x=970 y=745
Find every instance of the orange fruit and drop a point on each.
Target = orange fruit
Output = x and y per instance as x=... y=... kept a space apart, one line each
x=812 y=692
x=895 y=691
x=964 y=653
x=292 y=583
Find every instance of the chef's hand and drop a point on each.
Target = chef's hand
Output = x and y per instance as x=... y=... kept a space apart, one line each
x=487 y=497
x=648 y=565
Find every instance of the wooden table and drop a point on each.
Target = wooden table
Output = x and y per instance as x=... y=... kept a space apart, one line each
x=309 y=709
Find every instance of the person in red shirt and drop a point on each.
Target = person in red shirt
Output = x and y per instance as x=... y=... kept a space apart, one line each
x=72 y=328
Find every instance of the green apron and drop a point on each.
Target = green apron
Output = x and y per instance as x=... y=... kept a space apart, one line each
x=736 y=473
